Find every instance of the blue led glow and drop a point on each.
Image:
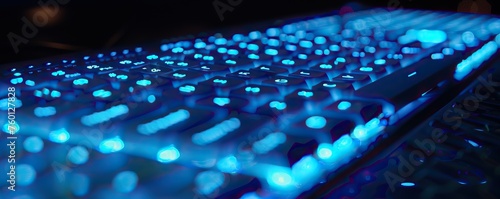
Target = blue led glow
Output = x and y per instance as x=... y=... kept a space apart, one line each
x=253 y=56
x=242 y=45
x=111 y=145
x=220 y=41
x=320 y=40
x=437 y=56
x=151 y=99
x=268 y=143
x=125 y=181
x=316 y=122
x=497 y=39
x=17 y=80
x=228 y=164
x=222 y=50
x=474 y=144
x=468 y=37
x=179 y=75
x=345 y=142
x=277 y=105
x=252 y=47
x=325 y=151
x=25 y=174
x=44 y=111
x=215 y=133
x=305 y=44
x=143 y=82
x=366 y=69
x=475 y=60
x=220 y=81
x=305 y=94
x=232 y=52
x=380 y=61
x=254 y=35
x=168 y=154
x=238 y=37
x=229 y=61
x=152 y=57
x=291 y=47
x=280 y=178
x=30 y=83
x=58 y=73
x=448 y=51
x=33 y=144
x=178 y=50
x=273 y=42
x=329 y=85
x=101 y=93
x=288 y=62
x=431 y=36
x=81 y=81
x=407 y=184
x=104 y=116
x=187 y=89
x=271 y=52
x=55 y=94
x=344 y=105
x=252 y=89
x=59 y=136
x=326 y=66
x=221 y=101
x=306 y=169
x=164 y=122
x=78 y=155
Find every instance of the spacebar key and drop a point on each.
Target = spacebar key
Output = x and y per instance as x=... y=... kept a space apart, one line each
x=409 y=83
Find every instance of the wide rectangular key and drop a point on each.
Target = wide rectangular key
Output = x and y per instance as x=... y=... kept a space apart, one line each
x=409 y=83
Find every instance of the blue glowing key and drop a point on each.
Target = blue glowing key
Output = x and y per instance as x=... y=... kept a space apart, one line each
x=366 y=69
x=55 y=94
x=306 y=169
x=44 y=111
x=305 y=94
x=306 y=44
x=152 y=57
x=78 y=155
x=407 y=184
x=345 y=142
x=280 y=178
x=232 y=52
x=179 y=75
x=106 y=115
x=58 y=73
x=277 y=105
x=252 y=47
x=30 y=83
x=101 y=93
x=17 y=80
x=468 y=37
x=268 y=143
x=164 y=122
x=4 y=104
x=25 y=174
x=59 y=136
x=125 y=181
x=187 y=89
x=288 y=62
x=316 y=122
x=151 y=98
x=111 y=145
x=252 y=89
x=325 y=151
x=229 y=61
x=33 y=144
x=380 y=61
x=437 y=56
x=281 y=81
x=326 y=66
x=215 y=133
x=431 y=36
x=320 y=40
x=81 y=81
x=219 y=81
x=228 y=164
x=168 y=154
x=178 y=50
x=271 y=52
x=220 y=41
x=143 y=82
x=221 y=101
x=222 y=50
x=344 y=105
x=253 y=56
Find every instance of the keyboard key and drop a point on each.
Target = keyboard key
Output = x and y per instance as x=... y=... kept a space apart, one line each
x=151 y=70
x=367 y=110
x=274 y=70
x=223 y=83
x=350 y=77
x=184 y=76
x=231 y=103
x=334 y=86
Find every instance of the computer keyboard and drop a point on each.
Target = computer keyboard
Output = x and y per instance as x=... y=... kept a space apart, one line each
x=281 y=110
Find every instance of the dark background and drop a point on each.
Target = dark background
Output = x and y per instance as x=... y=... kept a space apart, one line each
x=95 y=24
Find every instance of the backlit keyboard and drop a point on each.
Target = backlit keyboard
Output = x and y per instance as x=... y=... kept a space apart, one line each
x=278 y=111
